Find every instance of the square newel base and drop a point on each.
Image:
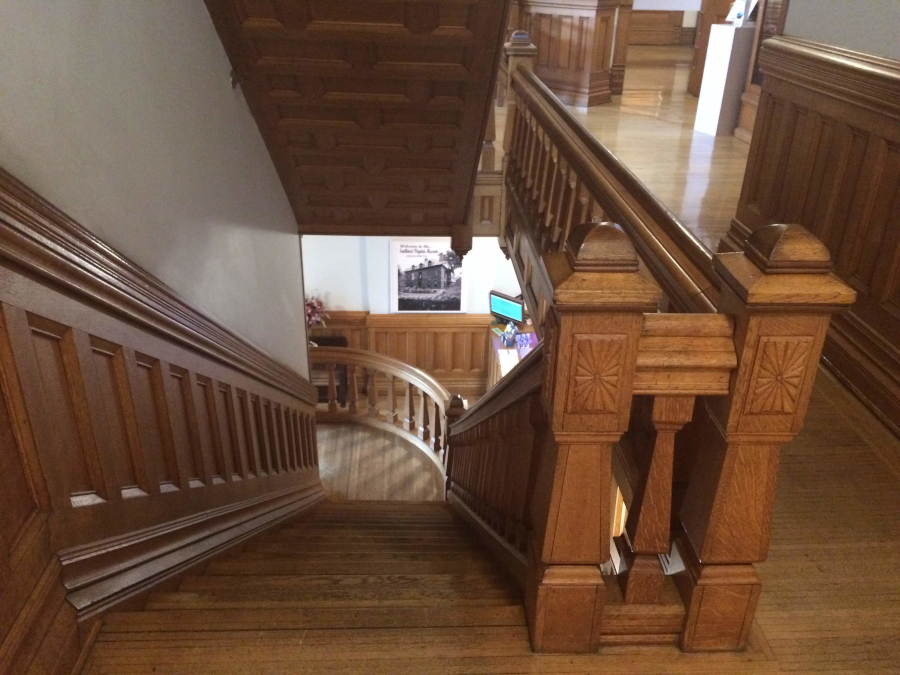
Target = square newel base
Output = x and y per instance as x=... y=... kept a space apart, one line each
x=720 y=601
x=564 y=604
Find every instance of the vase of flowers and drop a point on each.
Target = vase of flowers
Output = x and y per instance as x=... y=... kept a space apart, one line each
x=315 y=312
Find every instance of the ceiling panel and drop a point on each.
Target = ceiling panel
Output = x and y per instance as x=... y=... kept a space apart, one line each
x=373 y=110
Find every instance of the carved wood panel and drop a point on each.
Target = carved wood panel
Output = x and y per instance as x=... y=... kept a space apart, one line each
x=373 y=112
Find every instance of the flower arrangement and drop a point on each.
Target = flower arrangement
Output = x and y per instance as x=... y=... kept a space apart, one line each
x=315 y=312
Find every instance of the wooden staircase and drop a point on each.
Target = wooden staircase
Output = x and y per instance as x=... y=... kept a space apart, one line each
x=351 y=587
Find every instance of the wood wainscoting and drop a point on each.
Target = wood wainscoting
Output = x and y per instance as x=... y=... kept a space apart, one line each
x=137 y=437
x=453 y=348
x=826 y=154
x=659 y=28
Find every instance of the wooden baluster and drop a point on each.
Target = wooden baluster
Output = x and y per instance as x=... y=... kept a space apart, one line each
x=332 y=388
x=410 y=408
x=648 y=520
x=395 y=417
x=353 y=393
x=372 y=390
x=425 y=428
x=438 y=432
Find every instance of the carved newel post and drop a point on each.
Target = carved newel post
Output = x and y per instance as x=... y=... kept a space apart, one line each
x=590 y=340
x=782 y=295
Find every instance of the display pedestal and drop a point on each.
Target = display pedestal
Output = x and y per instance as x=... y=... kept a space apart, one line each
x=724 y=79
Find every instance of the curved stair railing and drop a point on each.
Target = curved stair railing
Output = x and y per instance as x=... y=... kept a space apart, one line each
x=386 y=394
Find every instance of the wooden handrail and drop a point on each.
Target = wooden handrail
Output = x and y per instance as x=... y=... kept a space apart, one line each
x=679 y=262
x=421 y=420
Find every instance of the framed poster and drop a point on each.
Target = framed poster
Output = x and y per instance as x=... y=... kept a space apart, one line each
x=426 y=276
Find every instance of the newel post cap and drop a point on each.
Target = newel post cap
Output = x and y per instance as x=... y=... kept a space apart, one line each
x=520 y=44
x=784 y=266
x=600 y=247
x=788 y=249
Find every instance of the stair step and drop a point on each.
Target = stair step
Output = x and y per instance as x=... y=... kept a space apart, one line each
x=284 y=619
x=313 y=583
x=232 y=600
x=364 y=565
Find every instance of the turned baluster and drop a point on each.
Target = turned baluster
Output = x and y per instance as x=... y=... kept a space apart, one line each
x=410 y=407
x=372 y=390
x=332 y=388
x=438 y=431
x=353 y=394
x=425 y=429
x=647 y=527
x=393 y=414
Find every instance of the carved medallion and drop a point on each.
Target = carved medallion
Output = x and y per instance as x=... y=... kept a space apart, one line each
x=778 y=375
x=597 y=373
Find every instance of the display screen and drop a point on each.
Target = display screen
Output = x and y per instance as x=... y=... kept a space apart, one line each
x=506 y=308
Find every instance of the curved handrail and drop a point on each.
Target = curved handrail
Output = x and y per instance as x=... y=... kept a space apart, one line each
x=655 y=230
x=422 y=420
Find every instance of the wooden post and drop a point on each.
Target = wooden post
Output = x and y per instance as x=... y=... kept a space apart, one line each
x=648 y=521
x=782 y=295
x=590 y=359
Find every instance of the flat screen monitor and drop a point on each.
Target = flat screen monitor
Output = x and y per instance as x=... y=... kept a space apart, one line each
x=506 y=308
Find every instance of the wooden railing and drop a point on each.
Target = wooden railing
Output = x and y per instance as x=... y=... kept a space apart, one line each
x=386 y=394
x=624 y=473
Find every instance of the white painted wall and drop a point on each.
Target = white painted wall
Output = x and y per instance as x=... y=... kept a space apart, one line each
x=870 y=26
x=122 y=115
x=670 y=5
x=353 y=273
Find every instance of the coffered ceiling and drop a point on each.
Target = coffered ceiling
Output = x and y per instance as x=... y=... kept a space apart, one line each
x=373 y=110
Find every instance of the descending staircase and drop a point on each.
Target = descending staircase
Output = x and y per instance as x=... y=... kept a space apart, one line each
x=352 y=587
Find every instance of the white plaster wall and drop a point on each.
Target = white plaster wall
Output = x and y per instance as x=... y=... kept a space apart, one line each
x=870 y=26
x=352 y=273
x=669 y=5
x=121 y=113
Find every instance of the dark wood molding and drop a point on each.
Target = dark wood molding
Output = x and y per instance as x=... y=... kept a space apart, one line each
x=47 y=242
x=103 y=574
x=871 y=82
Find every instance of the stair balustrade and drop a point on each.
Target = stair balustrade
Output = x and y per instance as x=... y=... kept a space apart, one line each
x=375 y=385
x=624 y=473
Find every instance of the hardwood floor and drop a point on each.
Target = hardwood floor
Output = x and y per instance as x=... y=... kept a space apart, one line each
x=357 y=462
x=651 y=129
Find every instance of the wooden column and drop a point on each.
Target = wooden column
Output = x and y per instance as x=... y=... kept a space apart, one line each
x=575 y=40
x=620 y=49
x=590 y=338
x=782 y=295
x=647 y=527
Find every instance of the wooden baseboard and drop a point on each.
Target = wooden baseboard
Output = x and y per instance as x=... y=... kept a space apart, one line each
x=107 y=573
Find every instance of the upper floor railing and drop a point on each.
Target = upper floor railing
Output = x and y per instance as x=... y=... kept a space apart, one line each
x=624 y=473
